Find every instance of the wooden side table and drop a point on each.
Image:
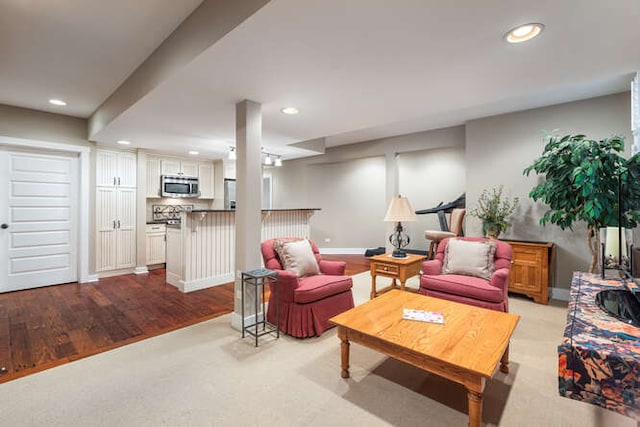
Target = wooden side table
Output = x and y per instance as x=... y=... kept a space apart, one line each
x=396 y=268
x=532 y=269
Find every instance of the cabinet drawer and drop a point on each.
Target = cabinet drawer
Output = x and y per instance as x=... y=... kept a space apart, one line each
x=156 y=228
x=386 y=269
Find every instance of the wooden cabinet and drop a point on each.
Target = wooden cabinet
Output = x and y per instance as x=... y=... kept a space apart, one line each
x=156 y=244
x=115 y=210
x=532 y=269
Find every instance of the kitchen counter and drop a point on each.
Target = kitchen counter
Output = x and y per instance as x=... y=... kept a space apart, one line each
x=263 y=210
x=201 y=253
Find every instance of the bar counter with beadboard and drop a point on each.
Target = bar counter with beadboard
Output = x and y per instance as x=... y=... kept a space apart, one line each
x=201 y=252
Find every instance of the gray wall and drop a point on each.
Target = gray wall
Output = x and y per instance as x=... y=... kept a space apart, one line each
x=350 y=185
x=23 y=123
x=434 y=166
x=499 y=148
x=427 y=178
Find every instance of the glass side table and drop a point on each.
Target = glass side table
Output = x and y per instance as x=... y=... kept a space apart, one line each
x=259 y=279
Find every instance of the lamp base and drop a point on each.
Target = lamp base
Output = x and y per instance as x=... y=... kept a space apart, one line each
x=399 y=253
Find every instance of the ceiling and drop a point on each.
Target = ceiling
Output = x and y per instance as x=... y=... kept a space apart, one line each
x=357 y=70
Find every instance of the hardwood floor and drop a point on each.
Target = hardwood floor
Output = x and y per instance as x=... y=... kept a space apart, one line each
x=46 y=327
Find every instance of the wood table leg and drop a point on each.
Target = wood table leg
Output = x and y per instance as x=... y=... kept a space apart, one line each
x=373 y=287
x=344 y=351
x=504 y=361
x=475 y=408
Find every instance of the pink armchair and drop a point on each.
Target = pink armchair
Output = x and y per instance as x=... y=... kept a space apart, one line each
x=307 y=303
x=491 y=294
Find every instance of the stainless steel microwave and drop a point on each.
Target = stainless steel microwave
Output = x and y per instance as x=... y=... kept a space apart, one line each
x=179 y=186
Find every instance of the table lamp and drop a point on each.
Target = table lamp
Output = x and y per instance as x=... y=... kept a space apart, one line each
x=399 y=210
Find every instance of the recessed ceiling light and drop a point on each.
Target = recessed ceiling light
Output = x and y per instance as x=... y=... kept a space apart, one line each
x=290 y=110
x=193 y=153
x=58 y=102
x=522 y=33
x=123 y=142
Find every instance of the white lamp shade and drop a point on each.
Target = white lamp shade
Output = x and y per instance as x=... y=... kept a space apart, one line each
x=400 y=210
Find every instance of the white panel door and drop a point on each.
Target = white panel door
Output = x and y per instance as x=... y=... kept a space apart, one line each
x=38 y=204
x=106 y=225
x=126 y=228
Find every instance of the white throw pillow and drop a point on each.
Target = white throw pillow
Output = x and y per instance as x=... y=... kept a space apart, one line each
x=469 y=258
x=297 y=256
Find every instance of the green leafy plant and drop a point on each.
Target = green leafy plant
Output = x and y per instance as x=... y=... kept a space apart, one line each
x=581 y=181
x=494 y=210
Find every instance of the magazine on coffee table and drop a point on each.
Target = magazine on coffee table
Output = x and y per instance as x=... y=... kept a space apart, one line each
x=423 y=315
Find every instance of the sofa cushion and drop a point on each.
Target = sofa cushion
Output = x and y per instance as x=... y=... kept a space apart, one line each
x=314 y=288
x=469 y=258
x=466 y=286
x=297 y=256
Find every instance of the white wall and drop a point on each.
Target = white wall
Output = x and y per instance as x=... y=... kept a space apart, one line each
x=499 y=148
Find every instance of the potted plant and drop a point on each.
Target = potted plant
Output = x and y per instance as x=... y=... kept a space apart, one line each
x=582 y=178
x=494 y=209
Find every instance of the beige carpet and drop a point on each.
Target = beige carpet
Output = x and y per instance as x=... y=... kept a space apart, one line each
x=205 y=375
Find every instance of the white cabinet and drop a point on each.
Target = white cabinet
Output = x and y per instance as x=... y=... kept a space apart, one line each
x=174 y=166
x=115 y=210
x=116 y=169
x=205 y=179
x=156 y=244
x=154 y=171
x=158 y=166
x=188 y=168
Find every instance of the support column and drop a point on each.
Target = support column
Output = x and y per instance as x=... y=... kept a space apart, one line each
x=248 y=199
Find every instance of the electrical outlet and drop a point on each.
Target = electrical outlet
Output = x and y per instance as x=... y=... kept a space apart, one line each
x=327 y=239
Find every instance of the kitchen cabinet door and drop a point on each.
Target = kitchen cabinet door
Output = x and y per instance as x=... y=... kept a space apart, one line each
x=188 y=168
x=126 y=228
x=153 y=177
x=106 y=168
x=106 y=226
x=170 y=166
x=126 y=169
x=206 y=180
x=156 y=247
x=116 y=169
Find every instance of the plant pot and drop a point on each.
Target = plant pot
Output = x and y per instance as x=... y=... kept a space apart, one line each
x=491 y=229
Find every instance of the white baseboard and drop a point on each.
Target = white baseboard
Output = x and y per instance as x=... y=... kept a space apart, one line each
x=236 y=320
x=342 y=251
x=561 y=294
x=90 y=278
x=141 y=270
x=112 y=273
x=196 y=285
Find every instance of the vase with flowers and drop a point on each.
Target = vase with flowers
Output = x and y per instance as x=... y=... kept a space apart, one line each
x=494 y=209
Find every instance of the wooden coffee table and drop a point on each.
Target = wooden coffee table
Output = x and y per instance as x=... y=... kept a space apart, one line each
x=397 y=268
x=466 y=349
